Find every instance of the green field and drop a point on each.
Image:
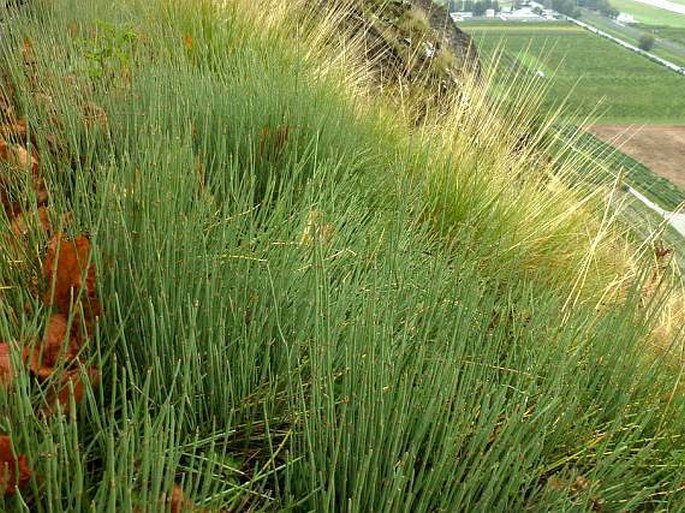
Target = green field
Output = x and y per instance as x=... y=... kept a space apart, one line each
x=637 y=175
x=602 y=77
x=675 y=34
x=670 y=45
x=648 y=14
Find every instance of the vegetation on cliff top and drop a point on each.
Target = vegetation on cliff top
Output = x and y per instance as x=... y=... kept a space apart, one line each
x=313 y=299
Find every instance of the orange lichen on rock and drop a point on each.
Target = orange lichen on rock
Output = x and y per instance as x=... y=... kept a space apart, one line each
x=178 y=500
x=24 y=159
x=17 y=130
x=56 y=347
x=18 y=156
x=71 y=282
x=21 y=224
x=6 y=153
x=19 y=160
x=6 y=372
x=14 y=472
x=71 y=381
x=6 y=104
x=70 y=275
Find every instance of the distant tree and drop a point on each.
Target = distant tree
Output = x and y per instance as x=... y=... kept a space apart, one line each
x=603 y=6
x=478 y=9
x=537 y=10
x=646 y=42
x=567 y=7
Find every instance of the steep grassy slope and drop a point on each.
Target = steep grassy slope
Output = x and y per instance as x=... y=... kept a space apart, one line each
x=308 y=305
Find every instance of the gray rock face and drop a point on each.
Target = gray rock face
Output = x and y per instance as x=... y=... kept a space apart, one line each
x=411 y=41
x=459 y=41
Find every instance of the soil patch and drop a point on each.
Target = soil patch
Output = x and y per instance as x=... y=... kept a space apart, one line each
x=660 y=148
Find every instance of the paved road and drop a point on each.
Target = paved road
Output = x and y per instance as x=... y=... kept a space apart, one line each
x=675 y=219
x=602 y=22
x=670 y=65
x=665 y=5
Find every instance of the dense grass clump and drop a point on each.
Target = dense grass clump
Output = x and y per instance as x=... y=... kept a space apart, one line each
x=308 y=305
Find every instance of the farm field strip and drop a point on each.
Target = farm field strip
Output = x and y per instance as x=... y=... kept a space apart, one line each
x=640 y=142
x=605 y=79
x=672 y=66
x=665 y=5
x=675 y=35
x=669 y=45
x=552 y=27
x=648 y=14
x=657 y=188
x=620 y=83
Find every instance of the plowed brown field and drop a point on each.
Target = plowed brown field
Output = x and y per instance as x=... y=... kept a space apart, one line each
x=660 y=148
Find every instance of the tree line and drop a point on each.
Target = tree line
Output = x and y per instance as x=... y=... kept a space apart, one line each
x=477 y=7
x=572 y=7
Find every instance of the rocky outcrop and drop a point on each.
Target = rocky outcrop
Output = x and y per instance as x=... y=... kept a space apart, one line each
x=458 y=41
x=413 y=42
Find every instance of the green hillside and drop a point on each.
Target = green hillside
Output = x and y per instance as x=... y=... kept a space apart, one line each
x=239 y=273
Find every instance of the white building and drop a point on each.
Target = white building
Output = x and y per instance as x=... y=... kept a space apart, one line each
x=460 y=16
x=625 y=18
x=521 y=15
